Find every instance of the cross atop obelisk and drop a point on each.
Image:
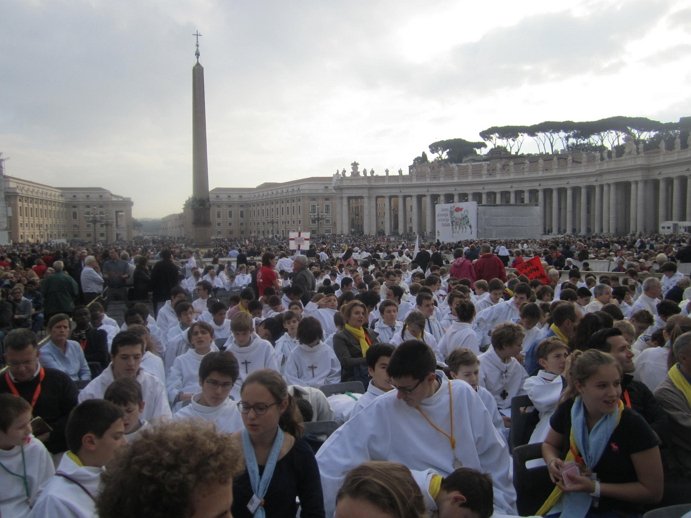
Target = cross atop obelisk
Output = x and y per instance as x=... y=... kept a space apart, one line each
x=196 y=52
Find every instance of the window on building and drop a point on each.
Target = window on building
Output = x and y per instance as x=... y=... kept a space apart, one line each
x=242 y=213
x=230 y=214
x=74 y=214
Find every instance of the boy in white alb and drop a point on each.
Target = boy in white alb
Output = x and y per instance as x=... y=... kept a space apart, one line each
x=377 y=357
x=500 y=371
x=217 y=374
x=323 y=307
x=183 y=379
x=253 y=353
x=545 y=389
x=177 y=342
x=464 y=365
x=126 y=393
x=388 y=326
x=505 y=311
x=94 y=432
x=200 y=303
x=461 y=333
x=288 y=340
x=126 y=358
x=25 y=464
x=312 y=363
x=216 y=318
x=167 y=318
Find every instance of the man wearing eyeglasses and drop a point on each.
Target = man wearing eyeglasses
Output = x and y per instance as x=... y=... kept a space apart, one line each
x=50 y=392
x=217 y=374
x=427 y=423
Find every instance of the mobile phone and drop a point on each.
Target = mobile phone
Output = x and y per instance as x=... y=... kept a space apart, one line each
x=568 y=472
x=39 y=426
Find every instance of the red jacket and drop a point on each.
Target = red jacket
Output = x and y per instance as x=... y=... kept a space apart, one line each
x=463 y=268
x=488 y=267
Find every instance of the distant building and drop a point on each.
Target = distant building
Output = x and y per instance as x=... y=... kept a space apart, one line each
x=40 y=213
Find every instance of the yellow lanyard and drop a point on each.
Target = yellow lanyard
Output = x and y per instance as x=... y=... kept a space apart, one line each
x=449 y=436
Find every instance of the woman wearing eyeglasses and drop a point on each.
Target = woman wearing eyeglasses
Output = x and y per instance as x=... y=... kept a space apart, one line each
x=279 y=465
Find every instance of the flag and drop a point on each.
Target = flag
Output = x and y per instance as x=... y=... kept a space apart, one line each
x=533 y=269
x=417 y=246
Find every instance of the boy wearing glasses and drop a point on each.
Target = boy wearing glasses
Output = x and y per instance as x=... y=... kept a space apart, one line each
x=428 y=422
x=217 y=374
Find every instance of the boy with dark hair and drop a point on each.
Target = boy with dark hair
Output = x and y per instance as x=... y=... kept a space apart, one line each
x=166 y=315
x=546 y=387
x=465 y=493
x=246 y=296
x=217 y=374
x=126 y=393
x=177 y=342
x=216 y=318
x=388 y=326
x=445 y=419
x=312 y=363
x=505 y=311
x=377 y=358
x=500 y=371
x=126 y=358
x=24 y=461
x=461 y=332
x=95 y=431
x=253 y=353
x=203 y=293
x=288 y=340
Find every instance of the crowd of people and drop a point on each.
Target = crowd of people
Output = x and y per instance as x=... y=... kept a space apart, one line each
x=202 y=393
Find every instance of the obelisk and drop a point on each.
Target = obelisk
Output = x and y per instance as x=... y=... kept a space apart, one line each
x=201 y=206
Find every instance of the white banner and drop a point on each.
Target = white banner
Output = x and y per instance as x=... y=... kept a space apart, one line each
x=299 y=240
x=456 y=221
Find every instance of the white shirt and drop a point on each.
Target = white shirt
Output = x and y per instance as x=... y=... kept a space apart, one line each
x=460 y=334
x=259 y=354
x=366 y=399
x=153 y=392
x=284 y=346
x=544 y=391
x=39 y=468
x=312 y=366
x=651 y=366
x=62 y=498
x=503 y=380
x=225 y=416
x=487 y=319
x=386 y=332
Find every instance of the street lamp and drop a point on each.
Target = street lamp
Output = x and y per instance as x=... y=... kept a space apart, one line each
x=318 y=217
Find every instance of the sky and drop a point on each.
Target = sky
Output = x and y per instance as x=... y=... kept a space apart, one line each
x=99 y=93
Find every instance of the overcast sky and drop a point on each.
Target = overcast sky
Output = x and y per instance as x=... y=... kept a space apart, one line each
x=98 y=93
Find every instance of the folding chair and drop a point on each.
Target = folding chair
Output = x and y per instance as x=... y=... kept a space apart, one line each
x=341 y=388
x=533 y=485
x=524 y=419
x=316 y=432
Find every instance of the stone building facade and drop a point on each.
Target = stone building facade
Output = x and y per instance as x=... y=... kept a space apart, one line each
x=578 y=193
x=41 y=213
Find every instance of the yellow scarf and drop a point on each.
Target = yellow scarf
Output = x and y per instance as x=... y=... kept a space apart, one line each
x=556 y=493
x=680 y=382
x=75 y=459
x=359 y=333
x=557 y=332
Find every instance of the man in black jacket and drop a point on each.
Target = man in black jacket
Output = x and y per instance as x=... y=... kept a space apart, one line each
x=165 y=275
x=51 y=393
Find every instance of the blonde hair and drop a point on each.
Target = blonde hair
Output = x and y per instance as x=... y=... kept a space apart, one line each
x=581 y=365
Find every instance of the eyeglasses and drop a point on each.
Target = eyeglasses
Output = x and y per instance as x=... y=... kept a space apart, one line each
x=219 y=384
x=406 y=390
x=259 y=408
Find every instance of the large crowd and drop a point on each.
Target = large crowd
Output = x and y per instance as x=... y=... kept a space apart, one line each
x=362 y=376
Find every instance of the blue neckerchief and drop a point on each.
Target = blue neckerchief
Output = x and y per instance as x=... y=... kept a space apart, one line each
x=261 y=485
x=591 y=446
